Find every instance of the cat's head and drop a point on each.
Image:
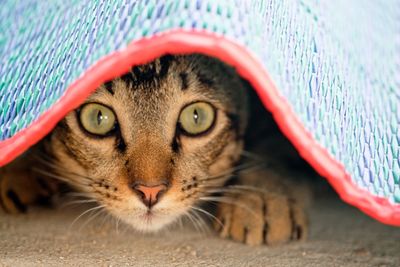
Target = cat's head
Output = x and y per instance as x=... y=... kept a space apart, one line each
x=151 y=144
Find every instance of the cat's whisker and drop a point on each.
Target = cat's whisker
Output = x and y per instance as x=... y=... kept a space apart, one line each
x=79 y=176
x=106 y=217
x=196 y=222
x=208 y=214
x=214 y=178
x=50 y=174
x=234 y=189
x=69 y=175
x=250 y=188
x=49 y=162
x=78 y=194
x=60 y=169
x=203 y=225
x=110 y=220
x=221 y=199
x=252 y=168
x=78 y=202
x=93 y=215
x=85 y=212
x=180 y=222
x=216 y=190
x=251 y=155
x=193 y=220
x=230 y=172
x=187 y=215
x=42 y=156
x=118 y=219
x=223 y=176
x=229 y=201
x=65 y=179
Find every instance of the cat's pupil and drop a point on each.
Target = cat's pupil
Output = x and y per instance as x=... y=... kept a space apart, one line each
x=195 y=116
x=99 y=117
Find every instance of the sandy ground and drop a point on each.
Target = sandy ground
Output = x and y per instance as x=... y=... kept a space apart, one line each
x=340 y=236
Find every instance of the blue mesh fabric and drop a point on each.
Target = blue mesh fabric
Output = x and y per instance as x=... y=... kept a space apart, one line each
x=336 y=62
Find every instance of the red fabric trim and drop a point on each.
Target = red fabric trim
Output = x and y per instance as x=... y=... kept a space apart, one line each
x=181 y=41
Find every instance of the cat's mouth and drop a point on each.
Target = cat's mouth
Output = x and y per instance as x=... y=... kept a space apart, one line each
x=151 y=221
x=148 y=219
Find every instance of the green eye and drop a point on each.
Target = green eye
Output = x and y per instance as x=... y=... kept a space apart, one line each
x=97 y=119
x=197 y=118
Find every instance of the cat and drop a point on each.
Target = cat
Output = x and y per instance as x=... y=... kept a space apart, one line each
x=162 y=140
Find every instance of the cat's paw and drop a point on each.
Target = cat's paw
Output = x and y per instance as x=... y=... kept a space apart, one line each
x=18 y=189
x=256 y=218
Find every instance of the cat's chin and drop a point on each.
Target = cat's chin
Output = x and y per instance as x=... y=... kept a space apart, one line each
x=149 y=222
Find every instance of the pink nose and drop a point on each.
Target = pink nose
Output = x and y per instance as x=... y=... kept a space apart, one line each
x=150 y=194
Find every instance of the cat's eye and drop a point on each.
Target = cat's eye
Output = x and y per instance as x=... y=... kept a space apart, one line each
x=97 y=119
x=197 y=118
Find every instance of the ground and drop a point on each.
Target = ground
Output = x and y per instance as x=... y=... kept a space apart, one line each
x=340 y=236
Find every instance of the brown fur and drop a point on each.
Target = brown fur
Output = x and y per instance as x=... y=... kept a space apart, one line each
x=259 y=206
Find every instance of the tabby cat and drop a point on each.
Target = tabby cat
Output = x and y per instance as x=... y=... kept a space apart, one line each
x=163 y=140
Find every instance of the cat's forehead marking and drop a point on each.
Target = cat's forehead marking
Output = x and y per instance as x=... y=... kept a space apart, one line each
x=143 y=76
x=109 y=87
x=148 y=74
x=154 y=80
x=184 y=79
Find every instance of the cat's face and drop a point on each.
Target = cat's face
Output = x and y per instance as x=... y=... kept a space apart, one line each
x=150 y=144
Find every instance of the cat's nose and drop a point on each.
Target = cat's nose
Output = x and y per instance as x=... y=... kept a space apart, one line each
x=150 y=194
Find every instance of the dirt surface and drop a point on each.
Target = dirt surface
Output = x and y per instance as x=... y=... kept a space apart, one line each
x=340 y=236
